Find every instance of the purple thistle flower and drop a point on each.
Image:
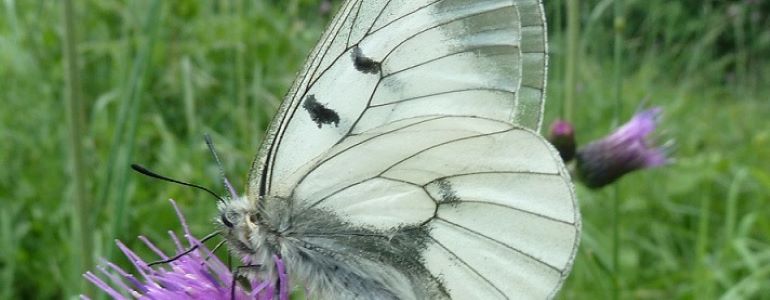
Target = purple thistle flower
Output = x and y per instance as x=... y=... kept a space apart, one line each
x=562 y=136
x=625 y=150
x=197 y=275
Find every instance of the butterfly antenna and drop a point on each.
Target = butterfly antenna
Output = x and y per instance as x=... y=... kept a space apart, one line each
x=213 y=151
x=146 y=172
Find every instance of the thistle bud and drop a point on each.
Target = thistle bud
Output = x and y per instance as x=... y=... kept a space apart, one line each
x=625 y=150
x=562 y=136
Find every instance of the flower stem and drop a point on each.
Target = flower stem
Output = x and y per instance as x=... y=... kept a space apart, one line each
x=616 y=241
x=618 y=25
x=570 y=68
x=76 y=122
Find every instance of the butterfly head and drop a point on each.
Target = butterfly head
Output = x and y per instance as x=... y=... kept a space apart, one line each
x=240 y=224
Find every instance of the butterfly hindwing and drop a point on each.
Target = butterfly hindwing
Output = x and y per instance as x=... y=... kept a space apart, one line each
x=496 y=207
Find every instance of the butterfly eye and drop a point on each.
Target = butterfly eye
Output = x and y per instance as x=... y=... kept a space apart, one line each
x=253 y=218
x=226 y=222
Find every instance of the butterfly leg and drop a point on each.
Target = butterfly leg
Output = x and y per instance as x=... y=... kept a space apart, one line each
x=237 y=273
x=213 y=251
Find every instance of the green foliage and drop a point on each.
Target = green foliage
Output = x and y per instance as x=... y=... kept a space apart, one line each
x=696 y=229
x=155 y=79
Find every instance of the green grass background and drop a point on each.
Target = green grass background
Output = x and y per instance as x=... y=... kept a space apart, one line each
x=152 y=76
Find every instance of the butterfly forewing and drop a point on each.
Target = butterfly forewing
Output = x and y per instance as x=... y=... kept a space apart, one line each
x=259 y=174
x=384 y=60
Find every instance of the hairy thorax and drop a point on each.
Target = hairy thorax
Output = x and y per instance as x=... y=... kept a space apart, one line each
x=330 y=257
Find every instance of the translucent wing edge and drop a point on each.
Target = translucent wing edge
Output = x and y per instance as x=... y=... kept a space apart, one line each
x=576 y=209
x=545 y=77
x=520 y=114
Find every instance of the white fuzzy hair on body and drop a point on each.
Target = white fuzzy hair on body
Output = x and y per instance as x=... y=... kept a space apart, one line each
x=332 y=259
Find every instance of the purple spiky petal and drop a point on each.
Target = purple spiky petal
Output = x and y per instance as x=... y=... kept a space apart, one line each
x=198 y=275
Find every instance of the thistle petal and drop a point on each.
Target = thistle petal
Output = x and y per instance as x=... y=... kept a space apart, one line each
x=198 y=275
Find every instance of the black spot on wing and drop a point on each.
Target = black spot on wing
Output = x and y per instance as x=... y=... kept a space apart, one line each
x=363 y=63
x=319 y=113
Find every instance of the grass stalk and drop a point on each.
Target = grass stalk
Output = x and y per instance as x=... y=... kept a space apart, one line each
x=731 y=212
x=80 y=208
x=188 y=98
x=741 y=56
x=8 y=242
x=703 y=275
x=732 y=203
x=239 y=73
x=616 y=270
x=618 y=25
x=570 y=65
x=122 y=147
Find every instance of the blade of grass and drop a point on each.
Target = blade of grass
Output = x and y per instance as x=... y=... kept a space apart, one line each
x=741 y=56
x=618 y=26
x=122 y=147
x=570 y=68
x=239 y=74
x=189 y=98
x=731 y=211
x=703 y=275
x=8 y=245
x=81 y=206
x=729 y=245
x=748 y=286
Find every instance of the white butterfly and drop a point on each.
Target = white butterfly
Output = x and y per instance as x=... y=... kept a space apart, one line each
x=394 y=171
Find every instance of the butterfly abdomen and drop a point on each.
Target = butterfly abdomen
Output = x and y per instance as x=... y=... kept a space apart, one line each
x=334 y=259
x=329 y=275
